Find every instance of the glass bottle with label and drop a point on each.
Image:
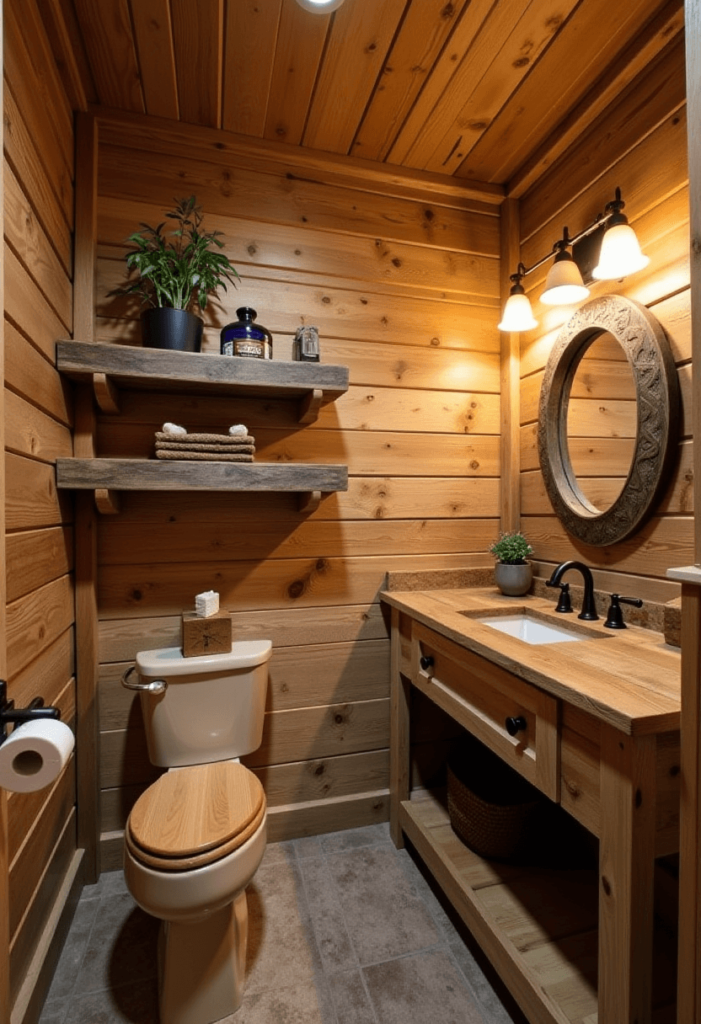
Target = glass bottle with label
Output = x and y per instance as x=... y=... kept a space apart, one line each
x=244 y=337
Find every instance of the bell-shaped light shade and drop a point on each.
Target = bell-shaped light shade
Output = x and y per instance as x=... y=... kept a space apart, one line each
x=320 y=6
x=518 y=315
x=620 y=254
x=564 y=284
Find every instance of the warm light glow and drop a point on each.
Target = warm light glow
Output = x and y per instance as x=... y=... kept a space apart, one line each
x=564 y=284
x=620 y=254
x=320 y=6
x=518 y=315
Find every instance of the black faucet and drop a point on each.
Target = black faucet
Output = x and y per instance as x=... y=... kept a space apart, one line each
x=588 y=607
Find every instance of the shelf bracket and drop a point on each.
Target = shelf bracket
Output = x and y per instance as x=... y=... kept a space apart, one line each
x=107 y=501
x=309 y=406
x=106 y=393
x=308 y=501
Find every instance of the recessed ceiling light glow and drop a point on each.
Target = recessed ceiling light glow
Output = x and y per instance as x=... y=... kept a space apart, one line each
x=320 y=6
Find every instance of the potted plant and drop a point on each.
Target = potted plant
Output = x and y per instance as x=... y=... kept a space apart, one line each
x=513 y=572
x=175 y=272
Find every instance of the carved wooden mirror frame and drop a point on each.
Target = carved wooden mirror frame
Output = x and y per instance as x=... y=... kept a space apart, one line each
x=657 y=390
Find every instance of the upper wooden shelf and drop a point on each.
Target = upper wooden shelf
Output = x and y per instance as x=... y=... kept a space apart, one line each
x=110 y=367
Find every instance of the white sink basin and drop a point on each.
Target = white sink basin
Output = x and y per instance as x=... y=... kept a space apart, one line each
x=533 y=630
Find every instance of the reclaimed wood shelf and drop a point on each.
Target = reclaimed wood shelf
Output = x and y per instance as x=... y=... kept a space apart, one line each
x=107 y=368
x=538 y=926
x=111 y=367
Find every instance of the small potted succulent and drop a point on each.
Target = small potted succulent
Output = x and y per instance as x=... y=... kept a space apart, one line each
x=513 y=572
x=175 y=272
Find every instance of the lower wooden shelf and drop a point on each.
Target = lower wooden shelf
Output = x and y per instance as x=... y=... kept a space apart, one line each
x=310 y=480
x=537 y=926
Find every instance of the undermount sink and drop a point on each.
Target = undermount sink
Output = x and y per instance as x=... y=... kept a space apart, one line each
x=533 y=629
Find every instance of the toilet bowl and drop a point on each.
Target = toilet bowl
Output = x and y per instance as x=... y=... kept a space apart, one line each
x=195 y=838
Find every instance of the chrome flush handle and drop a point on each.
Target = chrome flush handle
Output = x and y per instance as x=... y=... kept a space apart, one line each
x=156 y=686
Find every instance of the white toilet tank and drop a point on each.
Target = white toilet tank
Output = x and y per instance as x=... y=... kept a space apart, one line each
x=212 y=708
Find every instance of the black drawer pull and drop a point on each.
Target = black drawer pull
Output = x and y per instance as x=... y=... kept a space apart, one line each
x=515 y=724
x=426 y=661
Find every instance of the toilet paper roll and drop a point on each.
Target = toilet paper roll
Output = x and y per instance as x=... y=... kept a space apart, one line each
x=34 y=755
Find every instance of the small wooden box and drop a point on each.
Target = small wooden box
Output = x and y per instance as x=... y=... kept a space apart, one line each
x=206 y=635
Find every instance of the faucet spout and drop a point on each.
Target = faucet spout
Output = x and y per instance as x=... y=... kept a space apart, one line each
x=588 y=606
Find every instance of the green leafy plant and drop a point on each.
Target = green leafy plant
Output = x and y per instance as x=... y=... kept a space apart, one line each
x=179 y=268
x=511 y=548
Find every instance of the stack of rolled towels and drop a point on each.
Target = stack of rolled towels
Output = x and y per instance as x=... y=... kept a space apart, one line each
x=174 y=442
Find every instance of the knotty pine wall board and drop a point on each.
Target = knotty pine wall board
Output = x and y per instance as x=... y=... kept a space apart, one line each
x=366 y=498
x=31 y=496
x=121 y=639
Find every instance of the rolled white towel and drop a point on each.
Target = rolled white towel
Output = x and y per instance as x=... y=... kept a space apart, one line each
x=237 y=429
x=173 y=428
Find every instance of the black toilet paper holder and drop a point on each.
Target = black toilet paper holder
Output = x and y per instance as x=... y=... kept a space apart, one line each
x=8 y=712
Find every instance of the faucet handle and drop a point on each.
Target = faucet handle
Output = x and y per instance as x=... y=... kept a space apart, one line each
x=614 y=618
x=565 y=603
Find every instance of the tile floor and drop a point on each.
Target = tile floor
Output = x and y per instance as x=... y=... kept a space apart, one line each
x=344 y=929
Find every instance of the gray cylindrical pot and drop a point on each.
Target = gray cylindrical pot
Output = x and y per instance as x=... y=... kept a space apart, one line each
x=513 y=580
x=174 y=329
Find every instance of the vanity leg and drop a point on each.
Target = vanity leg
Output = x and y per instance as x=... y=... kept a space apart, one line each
x=399 y=742
x=626 y=877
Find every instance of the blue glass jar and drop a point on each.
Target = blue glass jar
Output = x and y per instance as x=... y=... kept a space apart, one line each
x=244 y=337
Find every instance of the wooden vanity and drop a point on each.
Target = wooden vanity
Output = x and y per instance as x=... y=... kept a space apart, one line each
x=601 y=738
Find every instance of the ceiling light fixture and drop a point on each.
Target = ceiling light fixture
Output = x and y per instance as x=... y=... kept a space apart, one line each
x=320 y=6
x=619 y=256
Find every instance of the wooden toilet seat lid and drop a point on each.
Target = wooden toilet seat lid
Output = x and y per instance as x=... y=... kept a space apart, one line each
x=193 y=812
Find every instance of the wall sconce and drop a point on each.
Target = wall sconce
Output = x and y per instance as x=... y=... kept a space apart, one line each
x=619 y=256
x=320 y=6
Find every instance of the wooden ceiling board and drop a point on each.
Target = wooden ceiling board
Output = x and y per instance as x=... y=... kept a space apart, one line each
x=418 y=45
x=250 y=32
x=509 y=64
x=153 y=33
x=589 y=41
x=198 y=36
x=301 y=41
x=359 y=41
x=445 y=75
x=486 y=92
x=109 y=42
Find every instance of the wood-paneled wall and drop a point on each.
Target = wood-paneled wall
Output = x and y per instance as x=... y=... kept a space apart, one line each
x=39 y=616
x=639 y=144
x=400 y=274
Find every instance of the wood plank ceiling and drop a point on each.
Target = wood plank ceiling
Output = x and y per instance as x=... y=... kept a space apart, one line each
x=467 y=88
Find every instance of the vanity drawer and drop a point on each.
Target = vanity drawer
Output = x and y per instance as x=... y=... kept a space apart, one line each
x=483 y=698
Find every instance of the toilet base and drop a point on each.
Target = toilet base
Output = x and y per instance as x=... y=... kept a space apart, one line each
x=201 y=965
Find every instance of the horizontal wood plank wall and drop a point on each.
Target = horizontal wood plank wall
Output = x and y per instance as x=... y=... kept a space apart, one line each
x=402 y=281
x=641 y=147
x=38 y=417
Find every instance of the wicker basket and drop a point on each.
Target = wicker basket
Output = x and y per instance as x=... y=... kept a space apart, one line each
x=491 y=808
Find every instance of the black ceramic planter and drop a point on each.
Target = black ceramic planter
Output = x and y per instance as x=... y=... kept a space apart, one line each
x=175 y=329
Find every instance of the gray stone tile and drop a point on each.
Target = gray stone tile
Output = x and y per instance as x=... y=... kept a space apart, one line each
x=74 y=949
x=489 y=1001
x=55 y=1011
x=121 y=948
x=383 y=915
x=350 y=999
x=278 y=852
x=308 y=846
x=291 y=1004
x=335 y=947
x=354 y=838
x=135 y=1003
x=420 y=988
x=282 y=949
x=110 y=883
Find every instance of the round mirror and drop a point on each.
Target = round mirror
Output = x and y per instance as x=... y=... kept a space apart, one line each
x=609 y=408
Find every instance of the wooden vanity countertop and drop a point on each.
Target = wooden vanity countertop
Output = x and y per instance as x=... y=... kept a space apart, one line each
x=629 y=678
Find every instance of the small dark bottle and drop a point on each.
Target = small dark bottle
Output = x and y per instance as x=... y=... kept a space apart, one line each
x=246 y=338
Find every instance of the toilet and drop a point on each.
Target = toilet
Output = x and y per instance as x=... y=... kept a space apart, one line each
x=195 y=837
